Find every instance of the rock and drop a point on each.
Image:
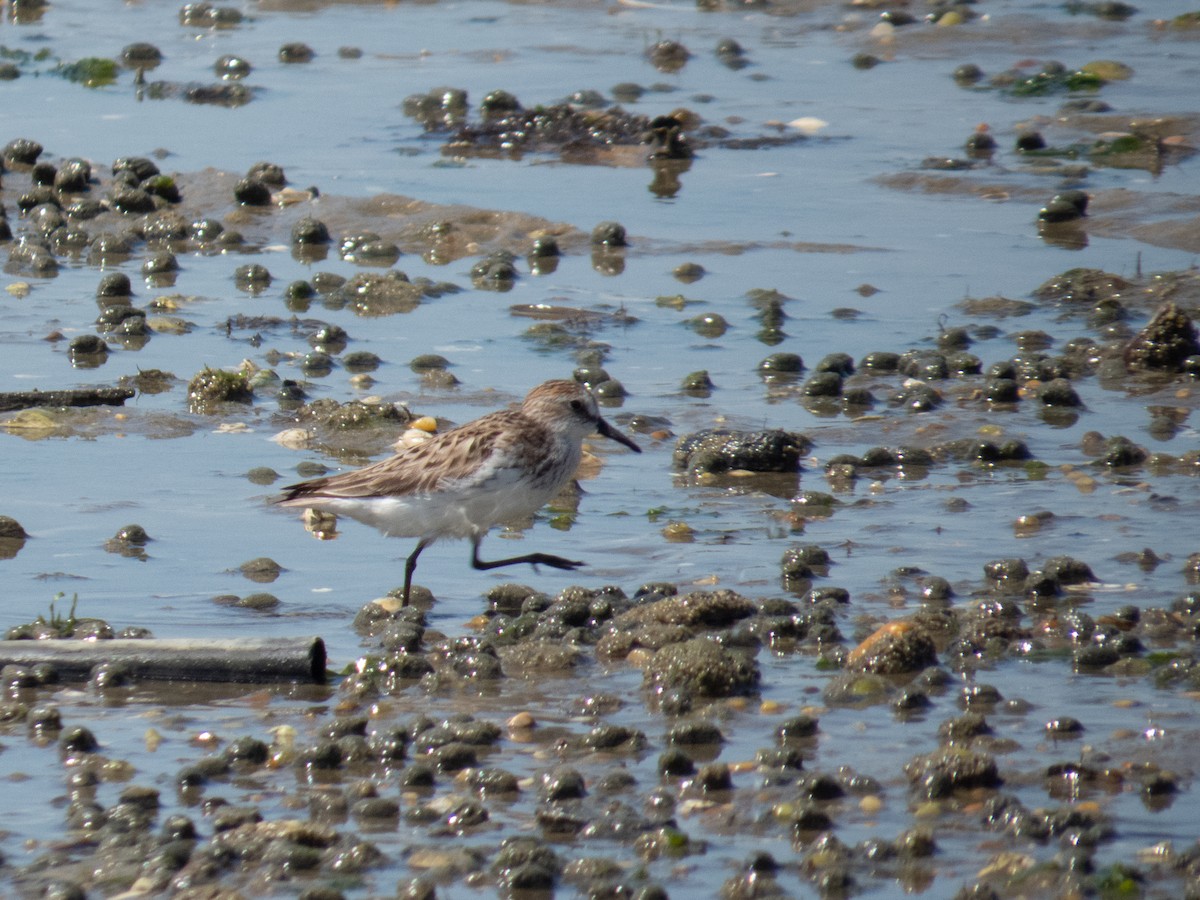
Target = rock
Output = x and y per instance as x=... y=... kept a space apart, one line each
x=893 y=649
x=1168 y=339
x=712 y=609
x=940 y=774
x=701 y=668
x=719 y=451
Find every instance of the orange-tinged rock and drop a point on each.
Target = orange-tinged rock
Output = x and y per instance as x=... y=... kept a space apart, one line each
x=893 y=649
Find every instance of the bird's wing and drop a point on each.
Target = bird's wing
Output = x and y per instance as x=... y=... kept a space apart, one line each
x=452 y=457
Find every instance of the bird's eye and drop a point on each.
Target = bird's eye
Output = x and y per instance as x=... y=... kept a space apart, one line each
x=577 y=405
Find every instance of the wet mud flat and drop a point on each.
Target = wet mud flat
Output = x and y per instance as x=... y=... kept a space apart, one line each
x=937 y=628
x=648 y=738
x=608 y=743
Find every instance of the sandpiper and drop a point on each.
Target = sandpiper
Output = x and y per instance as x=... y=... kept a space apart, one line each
x=497 y=468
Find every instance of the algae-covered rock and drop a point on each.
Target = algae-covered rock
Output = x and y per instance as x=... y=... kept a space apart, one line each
x=940 y=774
x=91 y=71
x=219 y=386
x=893 y=649
x=1082 y=286
x=1068 y=570
x=712 y=609
x=381 y=294
x=1168 y=339
x=336 y=416
x=701 y=668
x=11 y=529
x=720 y=451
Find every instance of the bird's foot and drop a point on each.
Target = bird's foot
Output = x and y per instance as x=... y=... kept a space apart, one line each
x=559 y=563
x=533 y=559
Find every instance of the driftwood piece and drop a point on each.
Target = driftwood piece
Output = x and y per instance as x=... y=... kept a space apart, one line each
x=181 y=659
x=97 y=396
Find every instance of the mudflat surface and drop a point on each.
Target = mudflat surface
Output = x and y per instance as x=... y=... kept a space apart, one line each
x=953 y=654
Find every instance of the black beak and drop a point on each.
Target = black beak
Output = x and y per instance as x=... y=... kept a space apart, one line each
x=612 y=434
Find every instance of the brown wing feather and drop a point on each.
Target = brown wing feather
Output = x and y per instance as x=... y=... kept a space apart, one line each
x=446 y=457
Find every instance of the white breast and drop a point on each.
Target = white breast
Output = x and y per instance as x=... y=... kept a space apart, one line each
x=457 y=511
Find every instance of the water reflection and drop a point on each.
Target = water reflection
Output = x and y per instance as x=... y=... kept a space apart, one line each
x=666 y=183
x=1064 y=235
x=11 y=546
x=608 y=261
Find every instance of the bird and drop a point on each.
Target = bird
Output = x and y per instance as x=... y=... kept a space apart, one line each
x=459 y=483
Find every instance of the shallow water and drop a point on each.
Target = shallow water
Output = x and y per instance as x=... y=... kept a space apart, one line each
x=812 y=219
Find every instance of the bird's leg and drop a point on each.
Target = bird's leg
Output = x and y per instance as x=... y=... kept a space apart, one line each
x=534 y=559
x=410 y=566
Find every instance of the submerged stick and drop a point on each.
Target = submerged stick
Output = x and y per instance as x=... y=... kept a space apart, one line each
x=101 y=396
x=180 y=659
